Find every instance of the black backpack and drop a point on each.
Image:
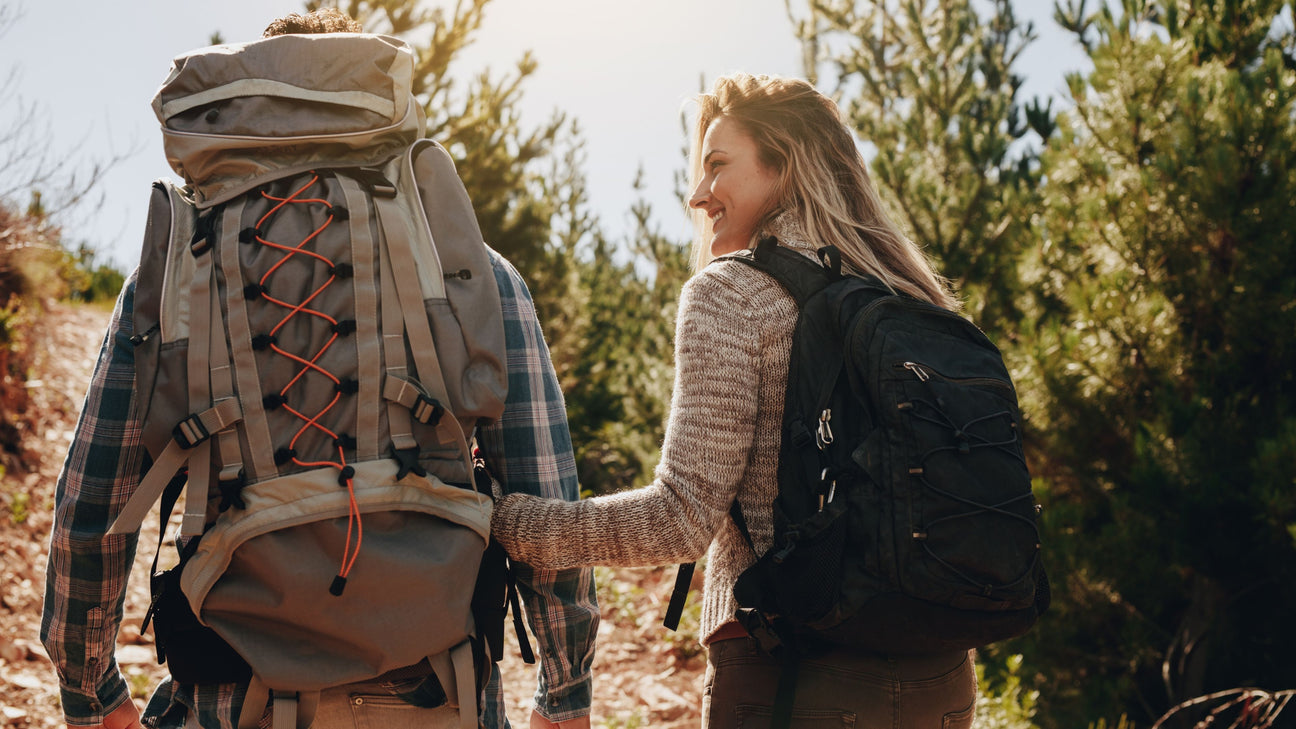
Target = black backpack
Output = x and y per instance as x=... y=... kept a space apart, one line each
x=905 y=522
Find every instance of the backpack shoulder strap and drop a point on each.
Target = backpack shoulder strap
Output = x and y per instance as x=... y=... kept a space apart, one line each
x=801 y=277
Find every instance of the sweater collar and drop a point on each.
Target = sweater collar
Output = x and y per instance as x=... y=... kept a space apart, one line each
x=789 y=231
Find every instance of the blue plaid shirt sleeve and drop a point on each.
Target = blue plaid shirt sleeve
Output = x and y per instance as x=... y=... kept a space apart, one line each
x=530 y=451
x=85 y=584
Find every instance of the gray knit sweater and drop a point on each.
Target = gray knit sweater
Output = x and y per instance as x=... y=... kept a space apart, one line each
x=732 y=342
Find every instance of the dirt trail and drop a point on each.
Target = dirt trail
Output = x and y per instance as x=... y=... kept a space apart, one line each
x=67 y=342
x=643 y=675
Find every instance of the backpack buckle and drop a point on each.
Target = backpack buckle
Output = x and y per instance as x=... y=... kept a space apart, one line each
x=427 y=411
x=199 y=246
x=760 y=628
x=190 y=432
x=407 y=462
x=376 y=181
x=204 y=232
x=231 y=491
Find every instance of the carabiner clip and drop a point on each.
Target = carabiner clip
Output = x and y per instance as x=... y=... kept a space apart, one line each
x=824 y=434
x=832 y=489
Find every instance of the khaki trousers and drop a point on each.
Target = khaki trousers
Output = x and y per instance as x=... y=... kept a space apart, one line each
x=840 y=689
x=367 y=705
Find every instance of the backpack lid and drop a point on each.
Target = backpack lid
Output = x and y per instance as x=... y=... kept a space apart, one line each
x=239 y=114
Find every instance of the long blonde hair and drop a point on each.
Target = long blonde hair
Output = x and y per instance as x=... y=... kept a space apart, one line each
x=822 y=180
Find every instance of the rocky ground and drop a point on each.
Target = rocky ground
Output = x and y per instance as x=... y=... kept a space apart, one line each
x=644 y=675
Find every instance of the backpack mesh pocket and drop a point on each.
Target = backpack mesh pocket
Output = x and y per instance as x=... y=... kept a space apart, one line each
x=806 y=566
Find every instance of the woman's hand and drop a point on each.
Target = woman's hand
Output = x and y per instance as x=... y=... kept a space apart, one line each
x=125 y=716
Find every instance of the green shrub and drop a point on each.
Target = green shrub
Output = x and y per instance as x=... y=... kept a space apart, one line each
x=1003 y=703
x=18 y=507
x=88 y=279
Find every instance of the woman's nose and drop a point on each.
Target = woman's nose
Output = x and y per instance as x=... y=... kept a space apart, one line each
x=700 y=196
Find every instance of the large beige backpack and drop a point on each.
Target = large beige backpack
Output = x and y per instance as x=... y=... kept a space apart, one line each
x=318 y=332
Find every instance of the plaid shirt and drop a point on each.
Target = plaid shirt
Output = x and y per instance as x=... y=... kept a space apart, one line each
x=529 y=449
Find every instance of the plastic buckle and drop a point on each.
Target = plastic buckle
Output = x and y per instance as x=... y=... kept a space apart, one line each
x=190 y=432
x=427 y=411
x=231 y=490
x=200 y=246
x=407 y=462
x=204 y=231
x=760 y=628
x=378 y=184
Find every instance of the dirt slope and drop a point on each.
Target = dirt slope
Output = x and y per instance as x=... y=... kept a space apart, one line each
x=644 y=676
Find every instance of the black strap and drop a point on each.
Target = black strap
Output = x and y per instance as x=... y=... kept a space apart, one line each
x=683 y=578
x=735 y=513
x=169 y=498
x=785 y=694
x=801 y=276
x=830 y=257
x=684 y=575
x=488 y=611
x=524 y=643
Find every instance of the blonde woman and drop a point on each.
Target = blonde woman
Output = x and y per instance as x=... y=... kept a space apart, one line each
x=770 y=156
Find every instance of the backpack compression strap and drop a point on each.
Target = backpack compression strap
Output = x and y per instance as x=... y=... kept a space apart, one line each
x=176 y=455
x=210 y=378
x=210 y=381
x=408 y=235
x=407 y=397
x=259 y=441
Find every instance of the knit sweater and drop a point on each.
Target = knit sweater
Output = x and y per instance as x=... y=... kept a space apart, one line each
x=732 y=341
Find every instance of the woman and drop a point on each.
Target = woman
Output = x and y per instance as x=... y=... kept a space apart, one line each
x=770 y=156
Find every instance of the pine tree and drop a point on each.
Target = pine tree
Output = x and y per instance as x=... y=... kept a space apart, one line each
x=1161 y=368
x=620 y=384
x=607 y=312
x=929 y=87
x=1140 y=273
x=931 y=90
x=501 y=161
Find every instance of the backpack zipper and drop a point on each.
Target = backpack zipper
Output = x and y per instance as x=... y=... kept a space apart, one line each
x=925 y=372
x=138 y=339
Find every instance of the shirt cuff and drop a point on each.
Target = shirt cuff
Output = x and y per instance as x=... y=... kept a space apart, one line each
x=81 y=709
x=570 y=701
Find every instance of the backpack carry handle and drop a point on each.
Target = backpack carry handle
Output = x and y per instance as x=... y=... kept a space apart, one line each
x=830 y=257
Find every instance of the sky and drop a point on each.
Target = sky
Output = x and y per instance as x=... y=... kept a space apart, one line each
x=624 y=70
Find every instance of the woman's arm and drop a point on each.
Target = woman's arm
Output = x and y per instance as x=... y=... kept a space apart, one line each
x=708 y=442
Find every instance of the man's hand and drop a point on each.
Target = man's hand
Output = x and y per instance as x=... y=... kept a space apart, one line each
x=125 y=716
x=539 y=722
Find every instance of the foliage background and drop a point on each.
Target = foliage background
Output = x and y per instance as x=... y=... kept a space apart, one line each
x=1131 y=254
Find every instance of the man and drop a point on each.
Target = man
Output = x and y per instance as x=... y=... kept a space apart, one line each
x=529 y=446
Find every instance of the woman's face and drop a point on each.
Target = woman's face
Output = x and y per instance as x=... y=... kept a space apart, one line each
x=735 y=188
